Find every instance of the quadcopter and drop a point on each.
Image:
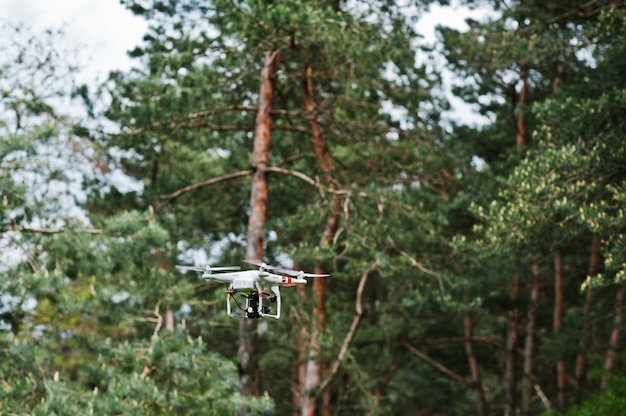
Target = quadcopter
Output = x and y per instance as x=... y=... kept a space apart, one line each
x=252 y=286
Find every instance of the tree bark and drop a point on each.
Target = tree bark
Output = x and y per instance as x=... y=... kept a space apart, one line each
x=170 y=322
x=300 y=356
x=527 y=385
x=247 y=354
x=581 y=358
x=520 y=139
x=561 y=372
x=315 y=368
x=481 y=407
x=510 y=377
x=609 y=358
x=380 y=389
x=513 y=324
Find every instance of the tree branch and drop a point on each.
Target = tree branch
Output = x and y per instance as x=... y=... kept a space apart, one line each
x=436 y=364
x=187 y=122
x=460 y=340
x=353 y=327
x=45 y=230
x=585 y=10
x=295 y=174
x=411 y=259
x=201 y=185
x=157 y=327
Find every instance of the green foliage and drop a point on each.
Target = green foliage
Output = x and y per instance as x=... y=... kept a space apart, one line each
x=604 y=403
x=426 y=235
x=171 y=374
x=81 y=322
x=569 y=184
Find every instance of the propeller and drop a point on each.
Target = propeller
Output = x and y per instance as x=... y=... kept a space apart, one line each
x=208 y=269
x=261 y=265
x=300 y=274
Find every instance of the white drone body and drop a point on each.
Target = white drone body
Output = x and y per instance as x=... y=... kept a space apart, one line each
x=254 y=286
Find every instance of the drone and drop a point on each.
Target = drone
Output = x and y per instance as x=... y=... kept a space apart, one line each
x=254 y=286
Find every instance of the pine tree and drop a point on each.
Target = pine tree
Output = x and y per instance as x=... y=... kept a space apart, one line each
x=549 y=237
x=82 y=321
x=189 y=115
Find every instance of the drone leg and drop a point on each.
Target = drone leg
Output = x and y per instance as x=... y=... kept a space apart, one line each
x=276 y=291
x=228 y=300
x=260 y=299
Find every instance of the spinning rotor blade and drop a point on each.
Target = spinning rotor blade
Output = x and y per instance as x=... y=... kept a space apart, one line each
x=188 y=268
x=223 y=268
x=206 y=268
x=300 y=273
x=260 y=264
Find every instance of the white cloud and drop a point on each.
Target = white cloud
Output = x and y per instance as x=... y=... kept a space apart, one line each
x=104 y=29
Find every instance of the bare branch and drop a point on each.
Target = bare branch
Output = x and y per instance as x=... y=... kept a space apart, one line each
x=213 y=126
x=353 y=327
x=295 y=174
x=436 y=364
x=542 y=396
x=157 y=327
x=44 y=230
x=378 y=393
x=202 y=185
x=414 y=262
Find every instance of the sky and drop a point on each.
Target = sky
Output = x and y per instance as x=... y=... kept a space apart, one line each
x=105 y=30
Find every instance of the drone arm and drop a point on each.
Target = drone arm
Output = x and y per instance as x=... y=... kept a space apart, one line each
x=284 y=280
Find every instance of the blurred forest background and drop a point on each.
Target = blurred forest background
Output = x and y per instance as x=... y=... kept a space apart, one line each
x=476 y=270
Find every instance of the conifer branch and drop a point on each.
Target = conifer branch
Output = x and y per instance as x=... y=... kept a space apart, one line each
x=47 y=230
x=275 y=169
x=460 y=340
x=187 y=122
x=295 y=174
x=353 y=327
x=202 y=185
x=157 y=327
x=411 y=259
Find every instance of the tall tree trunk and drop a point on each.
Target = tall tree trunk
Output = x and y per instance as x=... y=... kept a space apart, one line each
x=481 y=407
x=581 y=358
x=247 y=354
x=557 y=78
x=315 y=368
x=510 y=377
x=520 y=139
x=380 y=389
x=609 y=359
x=527 y=385
x=300 y=356
x=170 y=322
x=561 y=372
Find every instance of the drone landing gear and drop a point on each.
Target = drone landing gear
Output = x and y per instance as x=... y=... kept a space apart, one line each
x=253 y=307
